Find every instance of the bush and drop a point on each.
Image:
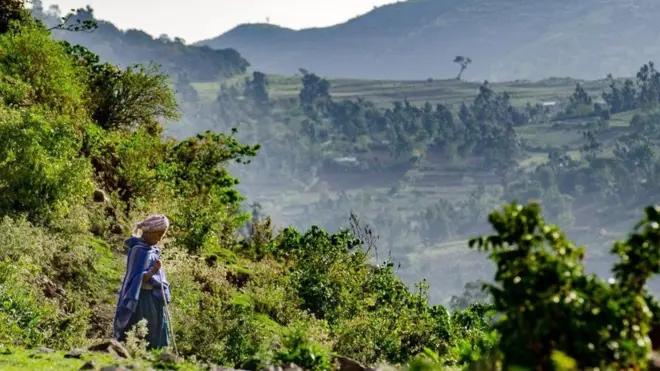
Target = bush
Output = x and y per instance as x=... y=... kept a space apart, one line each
x=40 y=173
x=48 y=285
x=549 y=304
x=297 y=349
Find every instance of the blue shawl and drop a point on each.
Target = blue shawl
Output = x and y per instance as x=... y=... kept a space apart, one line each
x=141 y=257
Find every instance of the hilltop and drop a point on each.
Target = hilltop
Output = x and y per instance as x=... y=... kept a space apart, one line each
x=136 y=46
x=506 y=40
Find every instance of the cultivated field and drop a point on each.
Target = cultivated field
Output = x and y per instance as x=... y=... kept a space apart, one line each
x=448 y=92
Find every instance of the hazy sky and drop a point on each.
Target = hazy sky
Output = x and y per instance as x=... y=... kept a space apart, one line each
x=194 y=20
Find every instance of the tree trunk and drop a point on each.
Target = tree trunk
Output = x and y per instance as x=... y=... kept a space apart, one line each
x=460 y=73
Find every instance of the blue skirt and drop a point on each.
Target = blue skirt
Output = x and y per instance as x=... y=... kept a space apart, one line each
x=153 y=310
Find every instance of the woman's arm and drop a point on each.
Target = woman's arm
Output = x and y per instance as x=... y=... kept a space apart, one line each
x=151 y=272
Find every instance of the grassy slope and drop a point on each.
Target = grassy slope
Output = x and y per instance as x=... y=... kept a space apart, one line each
x=21 y=359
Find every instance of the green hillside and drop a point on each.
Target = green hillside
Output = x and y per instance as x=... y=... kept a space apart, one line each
x=135 y=46
x=506 y=40
x=83 y=158
x=427 y=234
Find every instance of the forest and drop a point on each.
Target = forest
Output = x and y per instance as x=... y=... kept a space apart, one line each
x=89 y=147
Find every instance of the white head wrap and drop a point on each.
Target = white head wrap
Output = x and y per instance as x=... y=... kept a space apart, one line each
x=154 y=223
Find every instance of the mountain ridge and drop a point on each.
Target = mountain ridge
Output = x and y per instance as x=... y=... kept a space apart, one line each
x=506 y=39
x=134 y=46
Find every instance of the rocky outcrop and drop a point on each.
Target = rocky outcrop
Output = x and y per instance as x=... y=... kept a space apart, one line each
x=113 y=347
x=101 y=196
x=347 y=364
x=114 y=368
x=167 y=357
x=89 y=365
x=75 y=353
x=284 y=367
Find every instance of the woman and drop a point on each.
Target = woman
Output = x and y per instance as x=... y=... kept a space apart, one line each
x=141 y=295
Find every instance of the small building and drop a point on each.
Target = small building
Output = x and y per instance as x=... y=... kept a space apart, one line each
x=346 y=160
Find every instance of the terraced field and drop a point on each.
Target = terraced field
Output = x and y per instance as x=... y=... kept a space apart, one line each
x=448 y=92
x=447 y=265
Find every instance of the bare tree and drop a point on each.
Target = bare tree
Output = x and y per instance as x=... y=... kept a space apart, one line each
x=364 y=233
x=87 y=25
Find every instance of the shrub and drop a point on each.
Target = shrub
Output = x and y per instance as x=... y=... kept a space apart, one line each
x=549 y=304
x=297 y=349
x=48 y=285
x=29 y=55
x=40 y=173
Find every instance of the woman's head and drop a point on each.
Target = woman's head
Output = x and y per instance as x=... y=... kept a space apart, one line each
x=154 y=228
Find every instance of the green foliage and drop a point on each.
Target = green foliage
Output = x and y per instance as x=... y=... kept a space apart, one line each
x=17 y=359
x=47 y=284
x=125 y=163
x=194 y=164
x=135 y=97
x=40 y=171
x=69 y=122
x=28 y=55
x=136 y=339
x=320 y=257
x=196 y=171
x=298 y=349
x=426 y=361
x=372 y=314
x=549 y=304
x=10 y=11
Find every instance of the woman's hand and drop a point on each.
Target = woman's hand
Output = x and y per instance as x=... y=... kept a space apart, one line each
x=155 y=267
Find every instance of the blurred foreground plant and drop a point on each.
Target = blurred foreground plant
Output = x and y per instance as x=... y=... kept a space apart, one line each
x=548 y=303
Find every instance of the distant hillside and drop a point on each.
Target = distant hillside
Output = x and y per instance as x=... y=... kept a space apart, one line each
x=506 y=39
x=135 y=46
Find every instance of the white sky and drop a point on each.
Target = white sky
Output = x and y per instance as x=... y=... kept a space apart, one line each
x=194 y=20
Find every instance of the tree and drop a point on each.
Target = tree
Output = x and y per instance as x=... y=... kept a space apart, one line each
x=11 y=10
x=40 y=118
x=42 y=176
x=257 y=89
x=184 y=88
x=131 y=98
x=580 y=96
x=463 y=62
x=84 y=21
x=648 y=80
x=315 y=93
x=591 y=148
x=580 y=104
